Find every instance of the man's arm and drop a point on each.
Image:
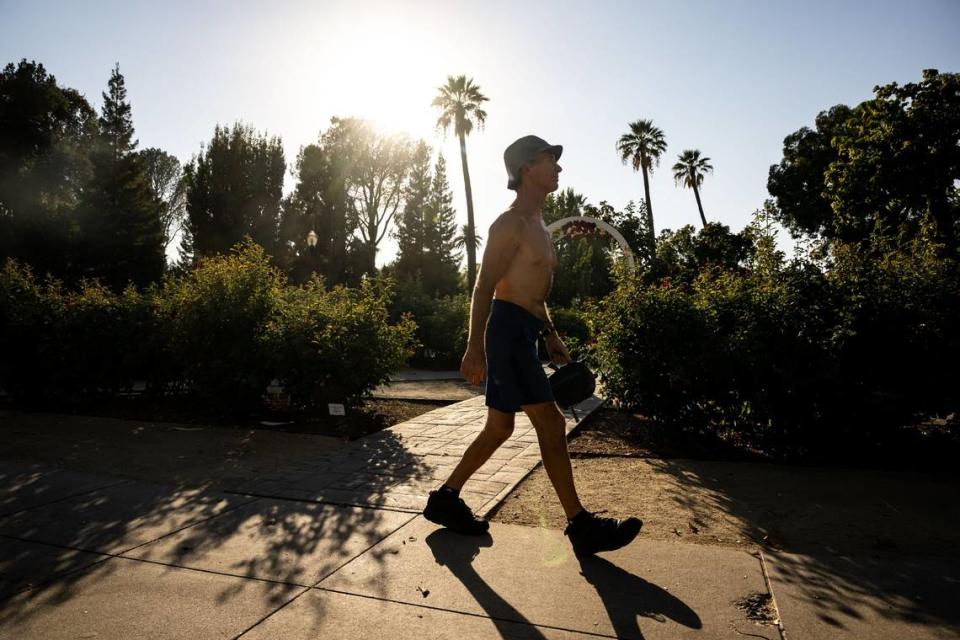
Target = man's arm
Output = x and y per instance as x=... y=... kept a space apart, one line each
x=502 y=244
x=555 y=347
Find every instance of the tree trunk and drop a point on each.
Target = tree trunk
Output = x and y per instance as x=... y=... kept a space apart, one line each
x=646 y=192
x=471 y=231
x=696 y=193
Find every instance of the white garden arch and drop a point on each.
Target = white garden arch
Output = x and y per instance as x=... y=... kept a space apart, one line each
x=573 y=226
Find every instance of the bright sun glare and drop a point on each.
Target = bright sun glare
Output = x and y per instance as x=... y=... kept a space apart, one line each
x=389 y=76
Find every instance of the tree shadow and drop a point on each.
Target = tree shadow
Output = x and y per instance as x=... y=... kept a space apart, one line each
x=229 y=504
x=624 y=595
x=848 y=542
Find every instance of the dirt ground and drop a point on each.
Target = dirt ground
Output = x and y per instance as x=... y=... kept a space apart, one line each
x=747 y=504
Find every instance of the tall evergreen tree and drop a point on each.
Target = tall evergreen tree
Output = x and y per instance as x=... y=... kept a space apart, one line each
x=442 y=274
x=412 y=226
x=121 y=233
x=116 y=116
x=234 y=188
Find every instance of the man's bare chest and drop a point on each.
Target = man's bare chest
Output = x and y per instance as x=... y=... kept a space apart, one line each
x=537 y=246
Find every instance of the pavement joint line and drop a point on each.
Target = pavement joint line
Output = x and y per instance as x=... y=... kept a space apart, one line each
x=187 y=526
x=274 y=612
x=109 y=556
x=465 y=613
x=335 y=504
x=67 y=497
x=59 y=576
x=773 y=597
x=216 y=573
x=414 y=517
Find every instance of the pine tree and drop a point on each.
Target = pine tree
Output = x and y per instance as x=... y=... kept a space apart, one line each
x=116 y=117
x=442 y=258
x=121 y=233
x=412 y=225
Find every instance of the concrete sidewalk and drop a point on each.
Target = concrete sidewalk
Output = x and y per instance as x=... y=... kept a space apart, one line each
x=334 y=547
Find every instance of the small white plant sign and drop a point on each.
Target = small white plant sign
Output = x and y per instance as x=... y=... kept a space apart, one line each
x=336 y=409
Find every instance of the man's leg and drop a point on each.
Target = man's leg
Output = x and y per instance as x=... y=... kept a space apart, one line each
x=587 y=532
x=497 y=430
x=444 y=506
x=551 y=430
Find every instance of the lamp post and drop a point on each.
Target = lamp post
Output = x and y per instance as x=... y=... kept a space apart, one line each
x=312 y=243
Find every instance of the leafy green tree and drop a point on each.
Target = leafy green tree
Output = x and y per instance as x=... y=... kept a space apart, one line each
x=442 y=257
x=642 y=147
x=319 y=203
x=689 y=171
x=234 y=188
x=460 y=102
x=376 y=168
x=45 y=134
x=880 y=168
x=121 y=232
x=165 y=176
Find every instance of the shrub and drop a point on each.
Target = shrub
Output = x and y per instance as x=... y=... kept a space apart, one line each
x=788 y=351
x=219 y=333
x=336 y=345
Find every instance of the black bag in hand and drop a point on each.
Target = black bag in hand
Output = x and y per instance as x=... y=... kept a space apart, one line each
x=572 y=383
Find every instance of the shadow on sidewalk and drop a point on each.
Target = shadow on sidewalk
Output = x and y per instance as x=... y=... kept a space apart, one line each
x=52 y=540
x=627 y=596
x=624 y=595
x=456 y=552
x=849 y=543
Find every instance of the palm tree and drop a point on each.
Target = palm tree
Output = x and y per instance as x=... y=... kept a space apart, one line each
x=689 y=172
x=642 y=147
x=460 y=240
x=459 y=103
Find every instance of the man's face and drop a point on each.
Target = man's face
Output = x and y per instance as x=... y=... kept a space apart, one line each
x=543 y=172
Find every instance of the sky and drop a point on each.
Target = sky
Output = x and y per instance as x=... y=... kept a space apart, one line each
x=731 y=78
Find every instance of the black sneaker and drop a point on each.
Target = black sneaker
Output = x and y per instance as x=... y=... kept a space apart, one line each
x=594 y=533
x=453 y=513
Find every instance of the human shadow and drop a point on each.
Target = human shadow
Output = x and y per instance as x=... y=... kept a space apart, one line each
x=624 y=595
x=457 y=552
x=209 y=499
x=627 y=596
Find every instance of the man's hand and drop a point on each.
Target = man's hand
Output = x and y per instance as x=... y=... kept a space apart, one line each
x=557 y=350
x=473 y=367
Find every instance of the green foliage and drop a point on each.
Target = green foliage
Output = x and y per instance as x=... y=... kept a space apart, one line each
x=45 y=133
x=442 y=322
x=319 y=203
x=426 y=232
x=787 y=350
x=327 y=346
x=878 y=168
x=234 y=187
x=219 y=333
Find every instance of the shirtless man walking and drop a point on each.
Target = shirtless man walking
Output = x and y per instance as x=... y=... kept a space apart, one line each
x=508 y=313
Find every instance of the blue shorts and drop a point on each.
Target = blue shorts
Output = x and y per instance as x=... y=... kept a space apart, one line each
x=515 y=376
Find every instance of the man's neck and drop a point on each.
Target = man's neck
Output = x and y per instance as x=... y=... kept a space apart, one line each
x=529 y=201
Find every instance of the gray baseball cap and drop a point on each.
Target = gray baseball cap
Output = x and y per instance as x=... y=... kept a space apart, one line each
x=522 y=151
